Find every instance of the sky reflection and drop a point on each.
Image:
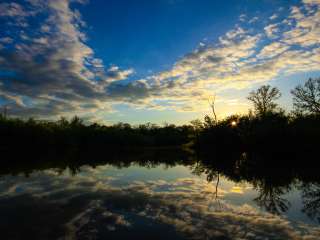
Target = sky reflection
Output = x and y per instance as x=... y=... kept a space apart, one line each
x=139 y=202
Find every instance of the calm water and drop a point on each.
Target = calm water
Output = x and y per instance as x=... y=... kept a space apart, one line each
x=153 y=201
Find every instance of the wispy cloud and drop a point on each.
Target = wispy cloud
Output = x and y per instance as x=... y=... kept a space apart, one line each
x=53 y=71
x=245 y=56
x=274 y=16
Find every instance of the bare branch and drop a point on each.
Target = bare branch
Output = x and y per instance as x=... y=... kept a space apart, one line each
x=212 y=105
x=263 y=99
x=307 y=98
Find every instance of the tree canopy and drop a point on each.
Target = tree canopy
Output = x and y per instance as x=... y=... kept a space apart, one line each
x=264 y=98
x=306 y=98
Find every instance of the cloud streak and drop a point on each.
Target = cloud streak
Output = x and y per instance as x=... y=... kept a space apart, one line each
x=51 y=70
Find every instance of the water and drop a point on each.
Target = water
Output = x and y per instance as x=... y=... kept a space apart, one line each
x=153 y=200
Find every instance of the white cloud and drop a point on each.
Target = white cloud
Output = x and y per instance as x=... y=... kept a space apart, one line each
x=6 y=40
x=12 y=10
x=242 y=17
x=274 y=16
x=272 y=50
x=115 y=74
x=306 y=32
x=253 y=20
x=69 y=76
x=312 y=2
x=271 y=30
x=74 y=81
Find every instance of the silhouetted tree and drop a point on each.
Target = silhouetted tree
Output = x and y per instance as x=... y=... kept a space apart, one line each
x=209 y=122
x=263 y=99
x=307 y=98
x=212 y=105
x=196 y=124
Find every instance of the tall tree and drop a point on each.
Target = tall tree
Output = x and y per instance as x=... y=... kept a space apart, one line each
x=263 y=99
x=212 y=105
x=307 y=98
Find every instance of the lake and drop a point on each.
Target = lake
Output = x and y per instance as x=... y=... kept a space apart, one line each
x=155 y=198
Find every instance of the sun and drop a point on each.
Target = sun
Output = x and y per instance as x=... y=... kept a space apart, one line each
x=233 y=123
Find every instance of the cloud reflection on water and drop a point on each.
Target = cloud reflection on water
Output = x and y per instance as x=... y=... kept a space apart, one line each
x=89 y=206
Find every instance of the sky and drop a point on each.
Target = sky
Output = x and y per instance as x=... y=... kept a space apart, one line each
x=152 y=61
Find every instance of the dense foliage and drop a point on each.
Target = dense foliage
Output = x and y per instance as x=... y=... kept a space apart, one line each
x=269 y=132
x=274 y=133
x=63 y=135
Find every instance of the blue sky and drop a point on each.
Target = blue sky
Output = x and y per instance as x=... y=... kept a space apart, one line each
x=152 y=61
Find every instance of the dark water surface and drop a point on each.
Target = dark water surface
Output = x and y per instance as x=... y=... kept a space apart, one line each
x=154 y=199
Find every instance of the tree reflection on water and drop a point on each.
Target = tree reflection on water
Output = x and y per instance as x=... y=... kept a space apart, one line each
x=94 y=206
x=272 y=177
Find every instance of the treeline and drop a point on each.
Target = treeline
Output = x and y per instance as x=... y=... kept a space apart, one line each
x=65 y=135
x=268 y=132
